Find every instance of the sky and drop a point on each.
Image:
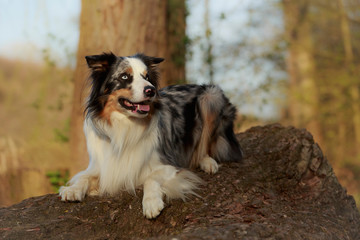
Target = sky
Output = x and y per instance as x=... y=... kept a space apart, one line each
x=248 y=26
x=30 y=28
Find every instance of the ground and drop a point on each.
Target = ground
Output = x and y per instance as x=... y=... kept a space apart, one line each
x=284 y=189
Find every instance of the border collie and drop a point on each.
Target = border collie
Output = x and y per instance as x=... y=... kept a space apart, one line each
x=139 y=135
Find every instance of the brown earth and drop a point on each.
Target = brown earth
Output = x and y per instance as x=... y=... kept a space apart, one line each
x=284 y=189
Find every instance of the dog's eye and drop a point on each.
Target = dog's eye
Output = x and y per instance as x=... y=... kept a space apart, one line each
x=124 y=77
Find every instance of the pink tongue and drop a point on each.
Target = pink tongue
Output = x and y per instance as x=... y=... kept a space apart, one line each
x=144 y=108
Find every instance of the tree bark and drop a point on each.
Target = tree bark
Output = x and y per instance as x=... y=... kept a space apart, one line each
x=284 y=189
x=125 y=27
x=303 y=93
x=176 y=42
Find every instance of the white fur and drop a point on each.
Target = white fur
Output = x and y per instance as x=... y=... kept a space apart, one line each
x=209 y=165
x=139 y=83
x=125 y=159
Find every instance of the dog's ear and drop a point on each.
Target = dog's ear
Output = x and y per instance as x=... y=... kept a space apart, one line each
x=156 y=60
x=149 y=61
x=100 y=63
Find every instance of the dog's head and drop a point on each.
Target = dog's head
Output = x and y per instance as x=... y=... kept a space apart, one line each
x=124 y=84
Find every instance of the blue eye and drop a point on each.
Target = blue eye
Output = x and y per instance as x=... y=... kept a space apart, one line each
x=124 y=77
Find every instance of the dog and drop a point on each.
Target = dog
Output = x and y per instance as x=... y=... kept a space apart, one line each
x=140 y=135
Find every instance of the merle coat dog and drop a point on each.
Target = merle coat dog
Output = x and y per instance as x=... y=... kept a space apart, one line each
x=138 y=135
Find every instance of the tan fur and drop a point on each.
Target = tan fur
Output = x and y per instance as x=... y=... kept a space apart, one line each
x=208 y=117
x=112 y=104
x=93 y=185
x=203 y=146
x=129 y=71
x=100 y=66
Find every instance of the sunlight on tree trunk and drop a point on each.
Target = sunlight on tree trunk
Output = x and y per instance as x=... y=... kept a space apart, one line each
x=349 y=61
x=303 y=93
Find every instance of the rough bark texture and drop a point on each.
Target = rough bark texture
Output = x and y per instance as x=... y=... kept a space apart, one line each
x=284 y=189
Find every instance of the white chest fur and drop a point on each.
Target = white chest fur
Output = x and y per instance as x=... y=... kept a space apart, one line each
x=123 y=158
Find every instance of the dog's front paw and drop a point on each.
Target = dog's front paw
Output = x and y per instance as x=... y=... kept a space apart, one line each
x=209 y=165
x=152 y=207
x=71 y=194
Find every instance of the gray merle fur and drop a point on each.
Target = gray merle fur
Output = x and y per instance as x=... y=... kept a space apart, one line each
x=180 y=125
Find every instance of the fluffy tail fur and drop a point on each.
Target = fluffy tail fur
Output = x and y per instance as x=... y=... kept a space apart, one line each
x=184 y=184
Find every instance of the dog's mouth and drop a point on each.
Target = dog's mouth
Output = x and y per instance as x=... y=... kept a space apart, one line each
x=141 y=107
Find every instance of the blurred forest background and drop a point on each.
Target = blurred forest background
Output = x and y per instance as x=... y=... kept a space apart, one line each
x=296 y=62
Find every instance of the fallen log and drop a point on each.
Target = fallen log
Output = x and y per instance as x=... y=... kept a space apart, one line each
x=284 y=189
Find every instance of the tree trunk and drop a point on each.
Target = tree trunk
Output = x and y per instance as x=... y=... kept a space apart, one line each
x=209 y=57
x=176 y=42
x=350 y=66
x=303 y=93
x=126 y=27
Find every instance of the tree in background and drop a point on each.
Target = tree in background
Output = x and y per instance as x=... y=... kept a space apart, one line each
x=208 y=55
x=303 y=93
x=125 y=27
x=323 y=68
x=350 y=66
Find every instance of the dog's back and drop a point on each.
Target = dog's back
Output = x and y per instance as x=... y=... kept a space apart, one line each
x=196 y=121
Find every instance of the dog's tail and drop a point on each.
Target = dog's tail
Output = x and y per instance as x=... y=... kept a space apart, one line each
x=182 y=185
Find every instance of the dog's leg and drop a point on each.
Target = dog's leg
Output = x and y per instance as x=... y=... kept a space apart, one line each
x=153 y=198
x=153 y=194
x=170 y=181
x=218 y=140
x=210 y=107
x=87 y=181
x=78 y=188
x=208 y=165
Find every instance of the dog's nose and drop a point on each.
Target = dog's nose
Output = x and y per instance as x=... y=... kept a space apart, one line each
x=149 y=91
